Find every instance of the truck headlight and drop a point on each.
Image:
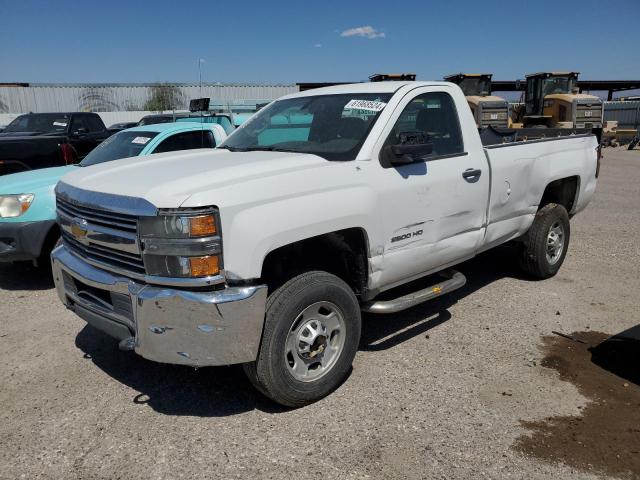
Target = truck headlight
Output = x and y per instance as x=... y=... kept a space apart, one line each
x=182 y=244
x=12 y=206
x=179 y=226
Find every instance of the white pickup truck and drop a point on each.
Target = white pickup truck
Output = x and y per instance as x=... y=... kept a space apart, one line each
x=266 y=250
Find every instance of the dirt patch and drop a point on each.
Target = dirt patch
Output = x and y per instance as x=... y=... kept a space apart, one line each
x=606 y=437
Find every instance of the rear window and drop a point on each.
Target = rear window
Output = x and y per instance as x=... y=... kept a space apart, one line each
x=121 y=145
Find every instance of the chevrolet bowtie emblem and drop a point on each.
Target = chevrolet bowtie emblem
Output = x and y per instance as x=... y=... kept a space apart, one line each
x=79 y=228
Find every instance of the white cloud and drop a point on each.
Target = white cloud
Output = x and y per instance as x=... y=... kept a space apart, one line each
x=318 y=45
x=366 y=31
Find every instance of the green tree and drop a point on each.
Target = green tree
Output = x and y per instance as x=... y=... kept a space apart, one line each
x=164 y=97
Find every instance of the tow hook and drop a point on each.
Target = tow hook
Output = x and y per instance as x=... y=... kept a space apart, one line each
x=127 y=344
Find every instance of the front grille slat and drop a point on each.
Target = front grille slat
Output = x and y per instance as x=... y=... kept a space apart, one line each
x=100 y=217
x=105 y=255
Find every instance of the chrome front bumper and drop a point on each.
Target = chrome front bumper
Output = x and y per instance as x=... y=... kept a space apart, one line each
x=197 y=328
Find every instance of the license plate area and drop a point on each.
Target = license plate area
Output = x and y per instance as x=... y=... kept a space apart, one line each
x=118 y=304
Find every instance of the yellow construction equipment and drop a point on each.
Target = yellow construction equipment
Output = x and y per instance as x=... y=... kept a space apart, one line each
x=488 y=110
x=552 y=100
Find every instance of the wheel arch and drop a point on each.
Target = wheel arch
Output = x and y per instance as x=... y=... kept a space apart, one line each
x=563 y=191
x=343 y=252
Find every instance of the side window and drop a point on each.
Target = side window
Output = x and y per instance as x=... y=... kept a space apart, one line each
x=95 y=124
x=79 y=122
x=428 y=118
x=186 y=141
x=208 y=140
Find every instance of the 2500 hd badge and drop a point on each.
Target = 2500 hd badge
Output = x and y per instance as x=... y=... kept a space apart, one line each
x=397 y=238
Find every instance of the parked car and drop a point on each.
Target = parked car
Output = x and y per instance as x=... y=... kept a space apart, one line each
x=225 y=120
x=265 y=252
x=41 y=140
x=27 y=202
x=222 y=119
x=160 y=118
x=118 y=127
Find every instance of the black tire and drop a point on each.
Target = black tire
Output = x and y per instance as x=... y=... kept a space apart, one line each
x=270 y=373
x=50 y=243
x=533 y=258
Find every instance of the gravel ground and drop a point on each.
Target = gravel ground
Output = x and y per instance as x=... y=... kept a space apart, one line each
x=448 y=389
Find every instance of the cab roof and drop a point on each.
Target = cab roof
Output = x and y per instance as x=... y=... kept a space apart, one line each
x=170 y=126
x=365 y=87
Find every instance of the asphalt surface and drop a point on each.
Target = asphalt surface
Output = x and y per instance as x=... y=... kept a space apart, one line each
x=451 y=389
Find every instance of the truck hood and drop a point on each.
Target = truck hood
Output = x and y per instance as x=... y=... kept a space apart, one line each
x=33 y=180
x=167 y=180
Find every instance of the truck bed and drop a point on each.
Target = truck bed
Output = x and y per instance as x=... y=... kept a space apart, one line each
x=520 y=172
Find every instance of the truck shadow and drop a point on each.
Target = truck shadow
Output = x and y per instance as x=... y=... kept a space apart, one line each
x=383 y=331
x=620 y=355
x=24 y=276
x=224 y=391
x=174 y=389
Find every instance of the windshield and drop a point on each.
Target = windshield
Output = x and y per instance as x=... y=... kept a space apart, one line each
x=476 y=86
x=39 y=122
x=121 y=145
x=557 y=85
x=331 y=126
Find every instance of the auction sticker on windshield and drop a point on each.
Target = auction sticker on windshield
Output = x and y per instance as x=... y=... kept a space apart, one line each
x=140 y=140
x=369 y=105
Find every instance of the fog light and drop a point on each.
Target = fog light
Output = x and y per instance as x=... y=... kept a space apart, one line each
x=182 y=267
x=204 y=266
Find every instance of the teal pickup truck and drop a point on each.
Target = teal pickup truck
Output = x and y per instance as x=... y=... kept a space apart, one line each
x=28 y=229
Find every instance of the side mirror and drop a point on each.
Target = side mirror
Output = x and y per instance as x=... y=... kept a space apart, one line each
x=412 y=147
x=405 y=154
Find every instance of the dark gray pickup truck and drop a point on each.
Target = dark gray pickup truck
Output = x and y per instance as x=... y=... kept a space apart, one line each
x=40 y=140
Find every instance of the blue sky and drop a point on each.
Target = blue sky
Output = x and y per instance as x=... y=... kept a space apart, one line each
x=260 y=41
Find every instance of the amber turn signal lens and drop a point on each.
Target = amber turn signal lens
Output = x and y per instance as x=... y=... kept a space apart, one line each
x=202 y=225
x=204 y=266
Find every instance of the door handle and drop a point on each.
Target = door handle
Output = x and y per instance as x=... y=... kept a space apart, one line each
x=472 y=175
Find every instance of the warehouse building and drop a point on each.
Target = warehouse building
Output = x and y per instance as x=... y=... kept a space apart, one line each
x=25 y=97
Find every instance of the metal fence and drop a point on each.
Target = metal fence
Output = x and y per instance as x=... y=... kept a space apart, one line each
x=130 y=97
x=627 y=114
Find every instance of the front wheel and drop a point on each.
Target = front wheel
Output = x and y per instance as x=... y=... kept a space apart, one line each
x=547 y=241
x=311 y=335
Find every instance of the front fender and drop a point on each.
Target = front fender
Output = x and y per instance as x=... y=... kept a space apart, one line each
x=250 y=233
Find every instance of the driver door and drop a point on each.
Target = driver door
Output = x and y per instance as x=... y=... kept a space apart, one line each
x=433 y=210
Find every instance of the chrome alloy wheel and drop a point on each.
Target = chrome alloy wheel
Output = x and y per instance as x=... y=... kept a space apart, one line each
x=315 y=341
x=555 y=243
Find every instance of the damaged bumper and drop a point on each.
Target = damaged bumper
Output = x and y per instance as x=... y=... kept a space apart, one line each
x=196 y=328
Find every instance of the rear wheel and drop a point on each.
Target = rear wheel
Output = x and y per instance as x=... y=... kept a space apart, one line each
x=546 y=243
x=311 y=335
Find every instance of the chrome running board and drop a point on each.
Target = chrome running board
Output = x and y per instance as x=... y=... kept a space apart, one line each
x=453 y=281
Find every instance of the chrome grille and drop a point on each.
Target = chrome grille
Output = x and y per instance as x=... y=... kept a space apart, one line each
x=118 y=221
x=105 y=256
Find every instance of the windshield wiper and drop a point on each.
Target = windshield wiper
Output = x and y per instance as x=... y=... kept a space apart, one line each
x=232 y=149
x=257 y=149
